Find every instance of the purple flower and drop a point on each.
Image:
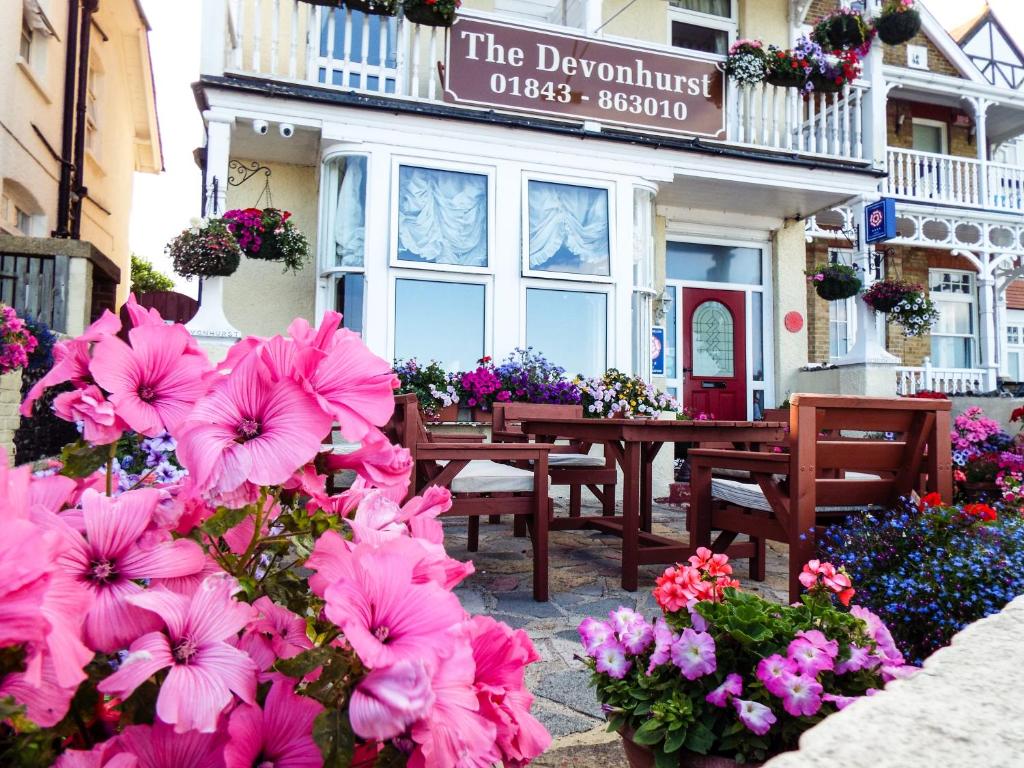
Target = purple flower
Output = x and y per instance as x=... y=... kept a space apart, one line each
x=841 y=702
x=860 y=658
x=733 y=686
x=699 y=622
x=622 y=618
x=801 y=694
x=694 y=654
x=636 y=637
x=664 y=638
x=756 y=717
x=812 y=652
x=593 y=634
x=773 y=670
x=887 y=650
x=611 y=659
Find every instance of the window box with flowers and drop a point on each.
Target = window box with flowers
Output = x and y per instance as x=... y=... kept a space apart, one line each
x=785 y=70
x=835 y=282
x=898 y=22
x=617 y=396
x=747 y=62
x=431 y=13
x=833 y=72
x=270 y=235
x=435 y=388
x=480 y=388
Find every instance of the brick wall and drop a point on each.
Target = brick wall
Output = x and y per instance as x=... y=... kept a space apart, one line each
x=10 y=399
x=819 y=8
x=960 y=142
x=1015 y=295
x=817 y=308
x=937 y=62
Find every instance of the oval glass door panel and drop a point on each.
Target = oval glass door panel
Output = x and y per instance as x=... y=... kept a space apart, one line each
x=712 y=340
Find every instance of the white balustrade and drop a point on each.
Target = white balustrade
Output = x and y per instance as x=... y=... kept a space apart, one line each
x=951 y=381
x=947 y=179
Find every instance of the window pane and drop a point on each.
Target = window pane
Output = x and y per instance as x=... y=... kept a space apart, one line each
x=713 y=263
x=712 y=340
x=1014 y=360
x=838 y=328
x=928 y=138
x=954 y=317
x=440 y=321
x=670 y=332
x=442 y=217
x=350 y=212
x=951 y=352
x=568 y=228
x=349 y=300
x=698 y=38
x=713 y=7
x=569 y=328
x=758 y=403
x=1012 y=334
x=757 y=334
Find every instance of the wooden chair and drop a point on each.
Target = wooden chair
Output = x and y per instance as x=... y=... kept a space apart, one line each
x=827 y=475
x=479 y=482
x=568 y=464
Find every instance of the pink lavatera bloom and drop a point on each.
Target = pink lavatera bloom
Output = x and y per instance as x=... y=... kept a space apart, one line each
x=160 y=746
x=276 y=633
x=115 y=552
x=197 y=646
x=153 y=383
x=390 y=699
x=100 y=424
x=379 y=462
x=46 y=701
x=251 y=429
x=279 y=735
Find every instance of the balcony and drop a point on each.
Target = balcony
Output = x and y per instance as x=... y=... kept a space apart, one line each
x=337 y=49
x=950 y=381
x=923 y=177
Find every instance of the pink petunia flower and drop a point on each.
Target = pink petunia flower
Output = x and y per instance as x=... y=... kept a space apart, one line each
x=841 y=702
x=694 y=654
x=153 y=383
x=664 y=639
x=812 y=652
x=276 y=633
x=205 y=668
x=280 y=734
x=730 y=687
x=801 y=694
x=887 y=650
x=594 y=633
x=637 y=637
x=860 y=658
x=100 y=424
x=773 y=670
x=755 y=716
x=611 y=659
x=390 y=699
x=113 y=555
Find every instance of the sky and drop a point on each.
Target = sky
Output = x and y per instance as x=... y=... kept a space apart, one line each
x=163 y=204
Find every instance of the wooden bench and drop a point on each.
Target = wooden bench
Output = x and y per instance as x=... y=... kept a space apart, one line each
x=484 y=479
x=835 y=467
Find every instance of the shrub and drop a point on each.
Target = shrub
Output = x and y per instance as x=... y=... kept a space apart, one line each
x=146 y=279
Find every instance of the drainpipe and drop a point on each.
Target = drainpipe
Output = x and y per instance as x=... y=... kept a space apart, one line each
x=88 y=9
x=67 y=131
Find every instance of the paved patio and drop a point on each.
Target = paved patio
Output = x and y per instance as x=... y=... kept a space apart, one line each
x=585 y=574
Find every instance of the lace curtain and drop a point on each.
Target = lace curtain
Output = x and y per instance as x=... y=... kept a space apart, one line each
x=568 y=228
x=442 y=217
x=713 y=7
x=350 y=216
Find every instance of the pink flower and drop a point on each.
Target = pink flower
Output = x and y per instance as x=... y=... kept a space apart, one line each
x=46 y=701
x=276 y=633
x=101 y=426
x=664 y=639
x=731 y=686
x=160 y=746
x=280 y=734
x=801 y=694
x=390 y=699
x=841 y=702
x=860 y=658
x=385 y=615
x=694 y=654
x=611 y=659
x=113 y=555
x=887 y=650
x=594 y=633
x=812 y=652
x=378 y=461
x=204 y=667
x=251 y=429
x=636 y=637
x=153 y=383
x=756 y=717
x=773 y=670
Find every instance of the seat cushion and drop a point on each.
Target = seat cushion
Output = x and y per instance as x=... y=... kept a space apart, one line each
x=575 y=460
x=750 y=496
x=492 y=477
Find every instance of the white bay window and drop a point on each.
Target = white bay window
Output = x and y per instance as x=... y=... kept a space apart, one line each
x=954 y=342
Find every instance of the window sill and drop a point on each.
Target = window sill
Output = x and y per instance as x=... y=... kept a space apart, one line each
x=94 y=163
x=33 y=78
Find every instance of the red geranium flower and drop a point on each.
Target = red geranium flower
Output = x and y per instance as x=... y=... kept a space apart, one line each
x=930 y=500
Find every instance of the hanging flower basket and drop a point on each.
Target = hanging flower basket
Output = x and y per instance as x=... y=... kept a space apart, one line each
x=440 y=13
x=823 y=84
x=747 y=63
x=269 y=235
x=898 y=22
x=916 y=313
x=325 y=3
x=884 y=295
x=206 y=249
x=787 y=69
x=835 y=282
x=842 y=29
x=373 y=7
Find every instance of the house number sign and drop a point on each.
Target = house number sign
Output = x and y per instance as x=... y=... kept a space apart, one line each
x=553 y=73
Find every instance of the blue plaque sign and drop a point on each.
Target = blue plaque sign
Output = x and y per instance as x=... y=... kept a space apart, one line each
x=880 y=220
x=657 y=351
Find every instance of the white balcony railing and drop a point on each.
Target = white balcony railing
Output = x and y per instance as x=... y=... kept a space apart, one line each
x=950 y=381
x=302 y=43
x=946 y=179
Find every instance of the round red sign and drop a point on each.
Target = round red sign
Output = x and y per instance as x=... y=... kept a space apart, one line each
x=794 y=322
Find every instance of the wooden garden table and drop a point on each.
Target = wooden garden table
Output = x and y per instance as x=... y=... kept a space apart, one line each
x=634 y=443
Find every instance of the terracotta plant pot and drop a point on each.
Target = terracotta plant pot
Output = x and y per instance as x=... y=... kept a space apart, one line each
x=639 y=756
x=448 y=413
x=617 y=415
x=898 y=28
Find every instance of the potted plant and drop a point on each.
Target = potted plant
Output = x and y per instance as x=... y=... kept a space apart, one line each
x=884 y=295
x=842 y=29
x=530 y=378
x=433 y=386
x=617 y=395
x=834 y=282
x=431 y=13
x=898 y=22
x=268 y=234
x=916 y=313
x=725 y=675
x=480 y=388
x=784 y=70
x=833 y=72
x=747 y=62
x=205 y=249
x=17 y=342
x=373 y=7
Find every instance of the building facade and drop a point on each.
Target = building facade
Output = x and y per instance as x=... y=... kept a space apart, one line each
x=561 y=175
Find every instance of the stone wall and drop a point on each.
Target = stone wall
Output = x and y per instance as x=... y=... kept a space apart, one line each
x=10 y=399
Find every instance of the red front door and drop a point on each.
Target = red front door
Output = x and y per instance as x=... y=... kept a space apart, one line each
x=715 y=352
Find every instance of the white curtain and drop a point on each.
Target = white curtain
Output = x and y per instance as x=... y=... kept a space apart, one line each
x=569 y=217
x=713 y=7
x=442 y=217
x=350 y=216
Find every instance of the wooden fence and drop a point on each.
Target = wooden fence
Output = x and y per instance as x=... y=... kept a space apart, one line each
x=36 y=286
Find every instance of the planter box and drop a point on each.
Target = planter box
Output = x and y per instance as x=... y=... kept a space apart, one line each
x=639 y=756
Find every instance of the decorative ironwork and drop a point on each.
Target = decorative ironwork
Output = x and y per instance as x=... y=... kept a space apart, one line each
x=245 y=172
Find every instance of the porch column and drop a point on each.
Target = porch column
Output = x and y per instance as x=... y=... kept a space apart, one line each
x=218 y=154
x=980 y=107
x=1001 y=349
x=592 y=16
x=215 y=30
x=873 y=117
x=988 y=333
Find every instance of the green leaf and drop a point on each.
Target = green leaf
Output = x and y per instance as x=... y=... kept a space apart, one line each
x=334 y=737
x=700 y=738
x=649 y=733
x=223 y=520
x=305 y=662
x=81 y=459
x=665 y=759
x=674 y=740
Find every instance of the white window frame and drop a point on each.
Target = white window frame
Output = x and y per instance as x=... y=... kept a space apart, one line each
x=1015 y=349
x=726 y=24
x=845 y=256
x=610 y=187
x=446 y=276
x=970 y=298
x=572 y=286
x=432 y=164
x=943 y=130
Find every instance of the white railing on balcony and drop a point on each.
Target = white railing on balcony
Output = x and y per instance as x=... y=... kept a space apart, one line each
x=947 y=179
x=950 y=381
x=785 y=118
